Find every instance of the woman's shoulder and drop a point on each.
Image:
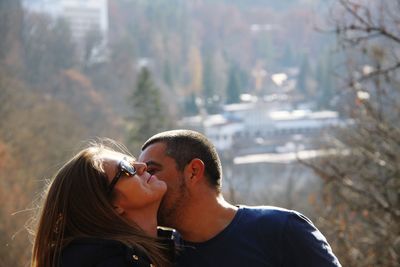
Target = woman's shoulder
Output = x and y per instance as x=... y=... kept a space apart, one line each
x=102 y=253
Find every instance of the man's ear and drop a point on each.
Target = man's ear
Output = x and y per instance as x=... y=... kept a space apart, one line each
x=194 y=171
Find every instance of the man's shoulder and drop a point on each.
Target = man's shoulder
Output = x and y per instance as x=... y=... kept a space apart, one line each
x=264 y=220
x=274 y=217
x=273 y=213
x=264 y=209
x=253 y=238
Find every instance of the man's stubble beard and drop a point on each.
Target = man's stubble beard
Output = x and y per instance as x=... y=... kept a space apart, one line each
x=172 y=206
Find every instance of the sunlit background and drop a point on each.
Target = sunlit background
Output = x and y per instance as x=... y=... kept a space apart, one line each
x=300 y=97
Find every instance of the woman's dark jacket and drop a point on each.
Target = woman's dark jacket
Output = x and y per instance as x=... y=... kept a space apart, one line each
x=93 y=252
x=89 y=252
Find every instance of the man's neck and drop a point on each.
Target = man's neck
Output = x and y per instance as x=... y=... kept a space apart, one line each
x=206 y=218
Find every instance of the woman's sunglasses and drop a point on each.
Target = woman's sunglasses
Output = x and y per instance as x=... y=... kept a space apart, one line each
x=124 y=167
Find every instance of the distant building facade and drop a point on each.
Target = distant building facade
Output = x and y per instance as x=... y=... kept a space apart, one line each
x=82 y=15
x=255 y=127
x=86 y=15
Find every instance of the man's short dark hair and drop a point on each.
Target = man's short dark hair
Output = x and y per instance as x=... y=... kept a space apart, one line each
x=185 y=145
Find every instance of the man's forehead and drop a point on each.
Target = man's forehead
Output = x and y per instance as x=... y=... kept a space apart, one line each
x=155 y=154
x=156 y=149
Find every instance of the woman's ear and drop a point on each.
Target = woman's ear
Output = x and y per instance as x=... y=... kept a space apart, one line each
x=118 y=209
x=194 y=171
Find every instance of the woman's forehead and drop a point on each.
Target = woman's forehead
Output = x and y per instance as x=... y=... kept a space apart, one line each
x=109 y=155
x=109 y=160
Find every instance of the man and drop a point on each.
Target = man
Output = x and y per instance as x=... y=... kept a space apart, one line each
x=215 y=232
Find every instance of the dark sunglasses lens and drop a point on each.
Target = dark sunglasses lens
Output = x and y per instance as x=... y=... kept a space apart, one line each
x=127 y=168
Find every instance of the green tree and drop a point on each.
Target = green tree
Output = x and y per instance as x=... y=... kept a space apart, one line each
x=167 y=73
x=325 y=79
x=233 y=87
x=211 y=99
x=208 y=77
x=149 y=115
x=288 y=58
x=190 y=106
x=264 y=47
x=302 y=78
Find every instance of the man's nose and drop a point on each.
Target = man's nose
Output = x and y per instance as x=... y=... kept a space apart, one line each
x=141 y=167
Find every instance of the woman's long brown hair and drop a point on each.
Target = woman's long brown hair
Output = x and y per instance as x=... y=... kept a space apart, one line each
x=76 y=205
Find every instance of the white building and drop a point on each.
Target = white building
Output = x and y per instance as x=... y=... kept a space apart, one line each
x=218 y=128
x=260 y=121
x=221 y=130
x=252 y=127
x=85 y=15
x=82 y=15
x=51 y=7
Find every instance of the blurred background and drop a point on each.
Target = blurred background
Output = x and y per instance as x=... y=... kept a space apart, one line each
x=300 y=98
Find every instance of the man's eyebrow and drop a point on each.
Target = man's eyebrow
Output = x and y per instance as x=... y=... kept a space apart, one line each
x=153 y=163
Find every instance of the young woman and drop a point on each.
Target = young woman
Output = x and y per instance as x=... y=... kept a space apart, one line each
x=101 y=210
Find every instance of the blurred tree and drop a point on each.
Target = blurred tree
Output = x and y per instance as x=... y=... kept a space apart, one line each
x=7 y=99
x=115 y=76
x=324 y=75
x=361 y=209
x=208 y=77
x=211 y=99
x=149 y=115
x=122 y=57
x=233 y=88
x=303 y=77
x=93 y=48
x=221 y=70
x=167 y=74
x=35 y=131
x=76 y=90
x=195 y=70
x=190 y=107
x=61 y=46
x=264 y=48
x=36 y=128
x=48 y=48
x=117 y=71
x=11 y=18
x=288 y=58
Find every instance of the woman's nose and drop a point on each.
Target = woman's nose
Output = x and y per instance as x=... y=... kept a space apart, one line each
x=140 y=167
